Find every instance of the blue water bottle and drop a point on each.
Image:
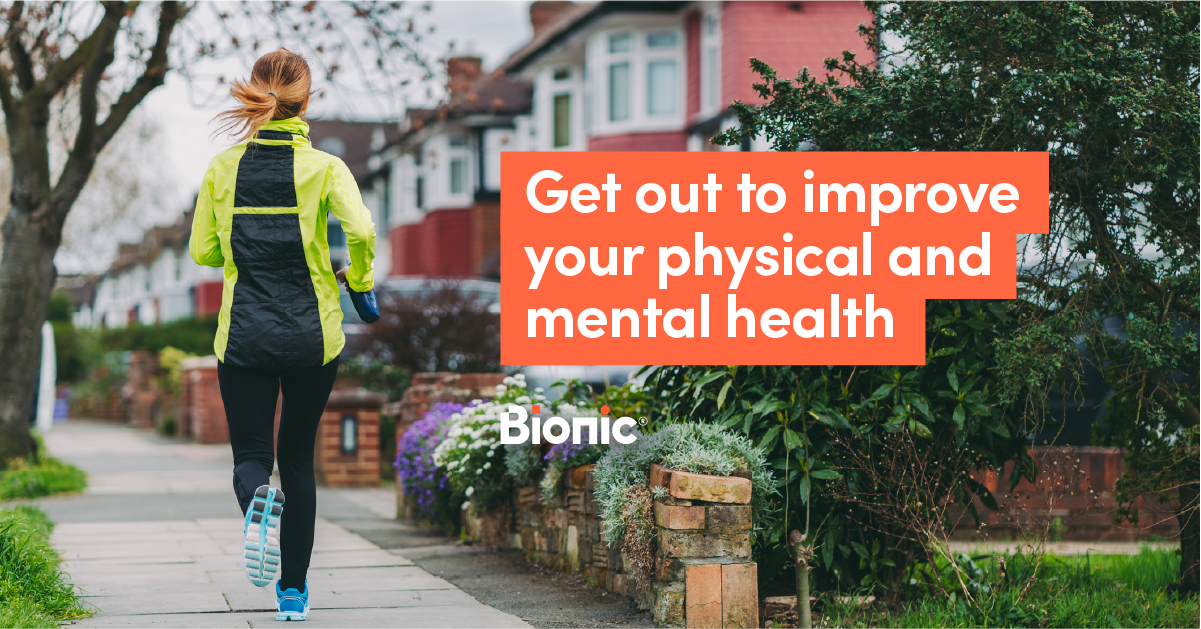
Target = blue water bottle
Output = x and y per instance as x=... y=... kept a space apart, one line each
x=365 y=304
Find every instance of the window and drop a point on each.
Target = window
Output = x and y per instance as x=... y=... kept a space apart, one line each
x=385 y=201
x=336 y=236
x=419 y=188
x=561 y=74
x=619 y=43
x=333 y=145
x=661 y=88
x=619 y=91
x=664 y=39
x=562 y=120
x=456 y=175
x=457 y=141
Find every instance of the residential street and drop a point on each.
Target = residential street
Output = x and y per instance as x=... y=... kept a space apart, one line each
x=156 y=541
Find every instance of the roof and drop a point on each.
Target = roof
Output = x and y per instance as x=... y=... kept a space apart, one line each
x=80 y=289
x=154 y=241
x=489 y=95
x=356 y=138
x=573 y=20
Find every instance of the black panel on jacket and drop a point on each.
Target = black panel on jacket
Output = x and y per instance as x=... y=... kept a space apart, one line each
x=266 y=177
x=274 y=321
x=267 y=134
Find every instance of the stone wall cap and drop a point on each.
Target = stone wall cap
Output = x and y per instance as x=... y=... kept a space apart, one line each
x=343 y=398
x=199 y=362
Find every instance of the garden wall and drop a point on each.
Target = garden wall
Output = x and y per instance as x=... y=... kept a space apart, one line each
x=1073 y=496
x=701 y=573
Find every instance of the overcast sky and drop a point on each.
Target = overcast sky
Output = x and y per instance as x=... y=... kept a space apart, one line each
x=490 y=29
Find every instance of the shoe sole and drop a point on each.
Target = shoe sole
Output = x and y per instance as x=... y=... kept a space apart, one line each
x=261 y=548
x=286 y=616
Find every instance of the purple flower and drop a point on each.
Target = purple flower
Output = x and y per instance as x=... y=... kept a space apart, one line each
x=418 y=474
x=567 y=454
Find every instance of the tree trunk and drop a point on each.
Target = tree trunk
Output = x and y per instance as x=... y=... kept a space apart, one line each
x=1187 y=516
x=27 y=277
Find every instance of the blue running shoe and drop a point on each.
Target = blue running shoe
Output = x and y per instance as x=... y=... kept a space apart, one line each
x=261 y=550
x=291 y=604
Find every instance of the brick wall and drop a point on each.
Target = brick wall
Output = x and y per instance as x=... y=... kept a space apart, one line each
x=406 y=242
x=703 y=575
x=1074 y=485
x=786 y=38
x=485 y=236
x=669 y=141
x=144 y=394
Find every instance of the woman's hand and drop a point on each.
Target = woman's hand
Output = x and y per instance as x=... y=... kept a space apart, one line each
x=341 y=275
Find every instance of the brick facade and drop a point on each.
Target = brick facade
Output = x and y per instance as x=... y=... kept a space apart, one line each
x=208 y=298
x=452 y=242
x=787 y=36
x=1075 y=485
x=667 y=141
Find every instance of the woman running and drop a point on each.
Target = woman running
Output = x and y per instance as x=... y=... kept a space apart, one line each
x=261 y=216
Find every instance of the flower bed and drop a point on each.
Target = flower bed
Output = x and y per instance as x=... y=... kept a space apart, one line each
x=424 y=483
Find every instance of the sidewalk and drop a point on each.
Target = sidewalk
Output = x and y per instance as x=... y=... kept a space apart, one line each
x=156 y=541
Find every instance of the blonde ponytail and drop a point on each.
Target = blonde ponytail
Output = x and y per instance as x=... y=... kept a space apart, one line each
x=279 y=87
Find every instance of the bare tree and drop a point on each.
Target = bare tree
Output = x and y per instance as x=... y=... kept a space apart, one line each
x=90 y=50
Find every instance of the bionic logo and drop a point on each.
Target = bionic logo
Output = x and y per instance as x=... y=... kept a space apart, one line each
x=516 y=417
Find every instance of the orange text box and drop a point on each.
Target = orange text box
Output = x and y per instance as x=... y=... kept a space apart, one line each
x=894 y=230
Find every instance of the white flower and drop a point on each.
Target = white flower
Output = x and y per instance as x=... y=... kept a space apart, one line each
x=538 y=390
x=488 y=465
x=500 y=389
x=520 y=378
x=470 y=490
x=525 y=399
x=491 y=452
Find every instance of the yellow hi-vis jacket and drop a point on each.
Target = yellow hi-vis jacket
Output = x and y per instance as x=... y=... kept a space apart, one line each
x=261 y=216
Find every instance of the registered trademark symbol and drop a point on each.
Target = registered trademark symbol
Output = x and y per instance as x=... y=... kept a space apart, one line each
x=641 y=421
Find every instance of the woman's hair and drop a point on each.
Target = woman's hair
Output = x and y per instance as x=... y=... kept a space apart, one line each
x=278 y=88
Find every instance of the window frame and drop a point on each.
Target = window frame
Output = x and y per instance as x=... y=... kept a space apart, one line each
x=639 y=56
x=709 y=62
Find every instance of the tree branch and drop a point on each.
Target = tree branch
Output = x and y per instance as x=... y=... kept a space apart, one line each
x=89 y=85
x=79 y=164
x=62 y=72
x=22 y=64
x=7 y=105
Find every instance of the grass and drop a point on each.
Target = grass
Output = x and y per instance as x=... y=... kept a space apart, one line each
x=48 y=476
x=33 y=590
x=1083 y=591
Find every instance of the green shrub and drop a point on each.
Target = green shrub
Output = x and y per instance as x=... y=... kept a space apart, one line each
x=692 y=447
x=24 y=479
x=806 y=418
x=33 y=591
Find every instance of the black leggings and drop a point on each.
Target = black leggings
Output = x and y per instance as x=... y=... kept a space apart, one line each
x=250 y=396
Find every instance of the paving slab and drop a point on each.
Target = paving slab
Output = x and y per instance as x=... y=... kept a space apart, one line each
x=176 y=560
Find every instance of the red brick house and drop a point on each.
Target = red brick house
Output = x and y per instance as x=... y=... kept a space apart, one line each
x=609 y=76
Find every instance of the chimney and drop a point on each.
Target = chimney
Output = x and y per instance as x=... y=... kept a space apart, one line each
x=543 y=12
x=461 y=72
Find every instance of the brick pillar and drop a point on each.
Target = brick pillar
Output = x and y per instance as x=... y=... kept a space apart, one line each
x=143 y=392
x=202 y=414
x=347 y=449
x=705 y=576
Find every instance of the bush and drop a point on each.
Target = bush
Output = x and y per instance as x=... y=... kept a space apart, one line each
x=25 y=479
x=377 y=375
x=802 y=417
x=444 y=330
x=33 y=591
x=423 y=481
x=692 y=447
x=469 y=452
